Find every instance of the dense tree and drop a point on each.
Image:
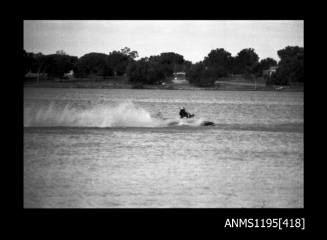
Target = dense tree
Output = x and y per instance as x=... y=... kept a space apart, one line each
x=131 y=54
x=99 y=64
x=39 y=64
x=245 y=62
x=195 y=72
x=170 y=58
x=61 y=52
x=145 y=71
x=136 y=71
x=154 y=69
x=218 y=63
x=93 y=64
x=118 y=60
x=291 y=66
x=264 y=64
x=267 y=63
x=28 y=62
x=201 y=75
x=56 y=65
x=169 y=61
x=155 y=73
x=186 y=66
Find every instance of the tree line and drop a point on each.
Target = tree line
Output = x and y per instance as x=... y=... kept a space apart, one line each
x=220 y=63
x=160 y=68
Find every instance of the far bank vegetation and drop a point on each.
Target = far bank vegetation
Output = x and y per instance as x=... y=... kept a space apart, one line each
x=122 y=67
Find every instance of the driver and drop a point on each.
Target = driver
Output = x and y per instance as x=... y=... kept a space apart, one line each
x=183 y=113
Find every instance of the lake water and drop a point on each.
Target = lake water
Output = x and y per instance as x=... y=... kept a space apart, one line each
x=104 y=148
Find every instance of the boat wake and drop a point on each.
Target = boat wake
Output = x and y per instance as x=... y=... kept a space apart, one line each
x=125 y=114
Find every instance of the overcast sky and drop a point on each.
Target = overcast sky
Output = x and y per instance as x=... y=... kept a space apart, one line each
x=192 y=39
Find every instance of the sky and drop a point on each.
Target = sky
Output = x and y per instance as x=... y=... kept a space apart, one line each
x=190 y=38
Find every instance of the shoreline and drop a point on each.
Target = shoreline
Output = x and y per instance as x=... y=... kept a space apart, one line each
x=106 y=85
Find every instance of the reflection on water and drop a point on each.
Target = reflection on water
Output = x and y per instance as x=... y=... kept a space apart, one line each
x=253 y=157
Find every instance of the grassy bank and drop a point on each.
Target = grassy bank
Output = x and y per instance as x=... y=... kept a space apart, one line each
x=223 y=84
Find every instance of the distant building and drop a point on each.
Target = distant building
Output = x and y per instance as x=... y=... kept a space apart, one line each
x=279 y=88
x=69 y=75
x=35 y=75
x=179 y=78
x=269 y=71
x=179 y=74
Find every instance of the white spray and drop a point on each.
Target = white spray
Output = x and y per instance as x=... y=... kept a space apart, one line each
x=125 y=114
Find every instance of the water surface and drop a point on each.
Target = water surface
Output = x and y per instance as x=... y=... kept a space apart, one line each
x=103 y=148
